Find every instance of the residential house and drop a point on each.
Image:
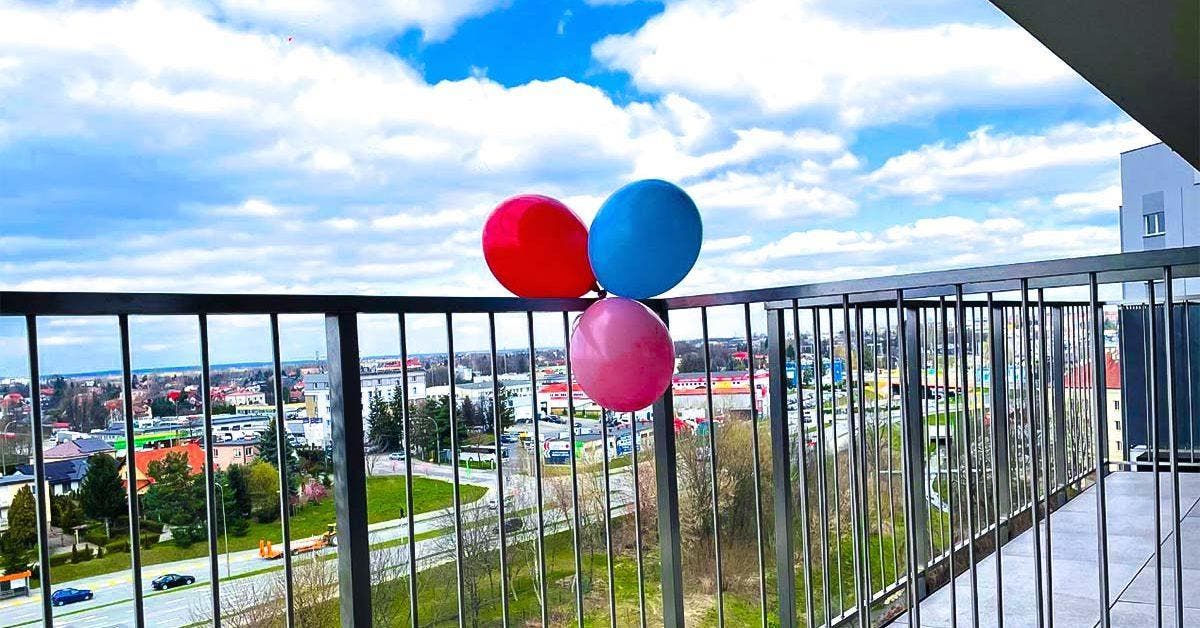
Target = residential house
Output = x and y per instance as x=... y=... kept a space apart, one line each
x=79 y=449
x=63 y=476
x=142 y=460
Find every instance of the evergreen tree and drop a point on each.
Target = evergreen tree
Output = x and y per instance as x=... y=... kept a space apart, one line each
x=21 y=535
x=101 y=493
x=176 y=498
x=385 y=419
x=239 y=493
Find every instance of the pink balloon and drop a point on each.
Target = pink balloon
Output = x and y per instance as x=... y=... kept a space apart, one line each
x=622 y=354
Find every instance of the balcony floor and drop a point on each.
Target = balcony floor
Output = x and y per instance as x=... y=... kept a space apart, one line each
x=1132 y=587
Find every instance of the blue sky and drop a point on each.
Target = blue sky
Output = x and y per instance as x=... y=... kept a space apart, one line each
x=270 y=146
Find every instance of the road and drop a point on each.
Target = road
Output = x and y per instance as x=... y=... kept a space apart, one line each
x=113 y=605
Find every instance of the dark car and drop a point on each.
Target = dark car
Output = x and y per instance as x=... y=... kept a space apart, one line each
x=69 y=595
x=170 y=581
x=513 y=525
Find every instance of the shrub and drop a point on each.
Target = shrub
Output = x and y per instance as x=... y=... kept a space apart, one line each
x=119 y=545
x=266 y=515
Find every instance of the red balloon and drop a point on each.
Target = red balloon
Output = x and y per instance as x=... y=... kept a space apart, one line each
x=537 y=247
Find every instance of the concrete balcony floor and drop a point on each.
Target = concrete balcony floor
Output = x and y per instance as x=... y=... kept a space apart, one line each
x=1074 y=587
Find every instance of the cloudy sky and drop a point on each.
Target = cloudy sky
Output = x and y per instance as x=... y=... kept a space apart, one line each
x=281 y=146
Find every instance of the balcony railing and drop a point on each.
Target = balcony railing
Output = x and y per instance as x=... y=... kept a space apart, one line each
x=914 y=425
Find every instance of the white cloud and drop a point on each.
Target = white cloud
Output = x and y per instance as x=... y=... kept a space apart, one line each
x=726 y=244
x=251 y=207
x=988 y=161
x=787 y=56
x=927 y=243
x=334 y=20
x=771 y=196
x=1106 y=200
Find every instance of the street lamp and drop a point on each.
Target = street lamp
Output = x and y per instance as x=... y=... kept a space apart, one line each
x=225 y=526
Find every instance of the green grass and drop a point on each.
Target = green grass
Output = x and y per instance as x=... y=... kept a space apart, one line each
x=385 y=497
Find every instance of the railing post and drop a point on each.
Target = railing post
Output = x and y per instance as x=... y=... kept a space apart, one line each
x=349 y=467
x=666 y=477
x=1059 y=413
x=914 y=391
x=781 y=462
x=999 y=416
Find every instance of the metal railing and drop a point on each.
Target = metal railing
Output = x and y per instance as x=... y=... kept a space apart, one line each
x=913 y=425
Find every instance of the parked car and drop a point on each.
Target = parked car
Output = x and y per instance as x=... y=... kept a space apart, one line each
x=512 y=525
x=396 y=455
x=170 y=581
x=69 y=596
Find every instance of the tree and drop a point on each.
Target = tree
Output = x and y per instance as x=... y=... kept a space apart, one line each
x=239 y=492
x=65 y=512
x=176 y=498
x=262 y=483
x=22 y=517
x=268 y=450
x=101 y=493
x=385 y=419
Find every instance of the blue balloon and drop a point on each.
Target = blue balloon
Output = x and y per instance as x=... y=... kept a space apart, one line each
x=645 y=239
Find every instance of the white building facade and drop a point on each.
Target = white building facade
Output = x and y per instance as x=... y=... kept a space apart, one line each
x=1160 y=208
x=316 y=389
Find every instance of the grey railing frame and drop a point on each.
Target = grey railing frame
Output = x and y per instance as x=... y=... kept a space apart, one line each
x=906 y=294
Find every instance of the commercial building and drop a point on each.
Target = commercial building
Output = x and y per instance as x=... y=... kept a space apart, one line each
x=1160 y=208
x=316 y=389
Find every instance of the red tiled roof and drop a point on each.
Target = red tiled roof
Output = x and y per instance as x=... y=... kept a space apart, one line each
x=142 y=459
x=1081 y=375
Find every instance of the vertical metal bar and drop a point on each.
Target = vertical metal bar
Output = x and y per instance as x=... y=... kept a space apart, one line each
x=857 y=499
x=802 y=445
x=1044 y=407
x=608 y=542
x=822 y=454
x=135 y=545
x=406 y=428
x=1153 y=428
x=1027 y=361
x=964 y=411
x=452 y=402
x=785 y=573
x=39 y=469
x=497 y=433
x=950 y=445
x=668 y=503
x=1057 y=374
x=837 y=503
x=349 y=468
x=637 y=521
x=712 y=465
x=210 y=497
x=877 y=430
x=1172 y=426
x=999 y=428
x=1097 y=337
x=285 y=485
x=887 y=314
x=758 y=526
x=543 y=590
x=912 y=453
x=577 y=529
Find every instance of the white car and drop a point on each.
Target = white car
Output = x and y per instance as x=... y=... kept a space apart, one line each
x=396 y=455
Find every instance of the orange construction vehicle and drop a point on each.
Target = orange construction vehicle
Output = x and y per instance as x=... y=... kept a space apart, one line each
x=328 y=539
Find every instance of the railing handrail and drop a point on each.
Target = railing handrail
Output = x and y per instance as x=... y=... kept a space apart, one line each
x=1111 y=268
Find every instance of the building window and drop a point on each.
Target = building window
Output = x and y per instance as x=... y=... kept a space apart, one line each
x=1116 y=425
x=1116 y=404
x=1154 y=224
